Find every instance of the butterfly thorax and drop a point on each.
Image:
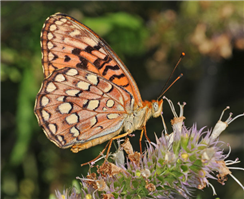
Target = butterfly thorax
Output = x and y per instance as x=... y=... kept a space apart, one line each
x=138 y=118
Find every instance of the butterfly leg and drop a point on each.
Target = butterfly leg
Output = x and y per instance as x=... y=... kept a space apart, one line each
x=91 y=161
x=114 y=138
x=141 y=140
x=143 y=131
x=108 y=147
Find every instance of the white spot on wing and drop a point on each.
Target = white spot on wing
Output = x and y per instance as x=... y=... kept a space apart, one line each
x=83 y=85
x=63 y=20
x=72 y=119
x=72 y=92
x=121 y=100
x=49 y=45
x=107 y=88
x=112 y=116
x=52 y=27
x=60 y=99
x=75 y=131
x=74 y=33
x=65 y=108
x=59 y=22
x=102 y=51
x=45 y=115
x=89 y=41
x=50 y=87
x=50 y=56
x=60 y=139
x=92 y=78
x=49 y=36
x=110 y=103
x=59 y=78
x=72 y=72
x=93 y=104
x=44 y=101
x=52 y=128
x=93 y=121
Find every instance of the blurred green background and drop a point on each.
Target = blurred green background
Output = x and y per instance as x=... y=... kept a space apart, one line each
x=149 y=37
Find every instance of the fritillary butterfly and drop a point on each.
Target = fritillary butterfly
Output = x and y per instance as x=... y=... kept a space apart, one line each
x=88 y=95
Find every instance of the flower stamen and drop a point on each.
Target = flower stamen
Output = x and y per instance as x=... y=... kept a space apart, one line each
x=230 y=162
x=238 y=182
x=214 y=192
x=221 y=126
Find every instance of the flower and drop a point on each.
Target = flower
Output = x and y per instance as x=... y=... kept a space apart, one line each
x=175 y=164
x=68 y=194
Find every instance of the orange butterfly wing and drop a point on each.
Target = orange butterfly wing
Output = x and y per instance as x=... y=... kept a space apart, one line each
x=68 y=43
x=87 y=92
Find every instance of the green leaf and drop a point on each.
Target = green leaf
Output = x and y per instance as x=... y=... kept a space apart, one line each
x=25 y=117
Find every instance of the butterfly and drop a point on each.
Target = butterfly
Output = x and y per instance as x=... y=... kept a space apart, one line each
x=88 y=95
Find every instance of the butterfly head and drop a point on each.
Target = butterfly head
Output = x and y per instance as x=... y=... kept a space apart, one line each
x=157 y=107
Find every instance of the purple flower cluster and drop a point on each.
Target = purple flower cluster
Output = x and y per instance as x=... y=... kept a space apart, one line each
x=176 y=164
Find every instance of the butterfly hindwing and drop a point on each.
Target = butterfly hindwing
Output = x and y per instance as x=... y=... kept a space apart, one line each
x=75 y=106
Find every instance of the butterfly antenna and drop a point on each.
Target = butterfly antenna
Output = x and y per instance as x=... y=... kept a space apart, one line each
x=163 y=90
x=181 y=75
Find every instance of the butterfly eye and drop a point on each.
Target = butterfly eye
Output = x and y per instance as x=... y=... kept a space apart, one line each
x=155 y=106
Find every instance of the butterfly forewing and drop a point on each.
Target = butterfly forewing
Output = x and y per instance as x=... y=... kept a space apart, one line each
x=68 y=43
x=75 y=105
